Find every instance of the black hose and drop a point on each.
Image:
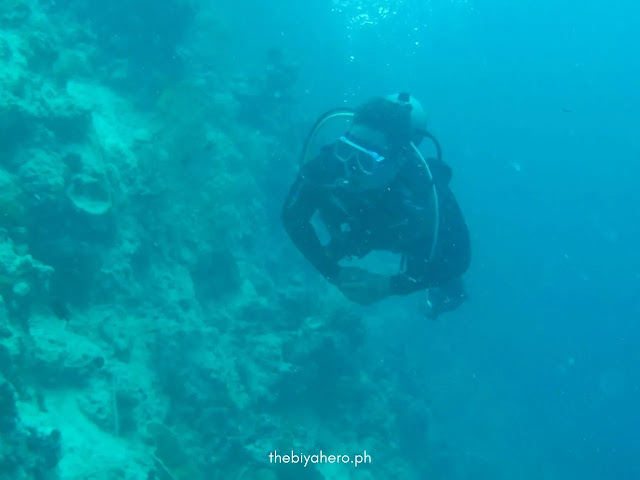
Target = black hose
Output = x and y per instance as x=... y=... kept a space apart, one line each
x=436 y=143
x=316 y=126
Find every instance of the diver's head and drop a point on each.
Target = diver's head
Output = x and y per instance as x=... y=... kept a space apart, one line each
x=418 y=117
x=379 y=141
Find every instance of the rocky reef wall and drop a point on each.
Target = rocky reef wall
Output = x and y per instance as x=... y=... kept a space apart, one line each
x=152 y=322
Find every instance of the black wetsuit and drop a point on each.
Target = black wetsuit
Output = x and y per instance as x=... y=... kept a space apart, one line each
x=396 y=218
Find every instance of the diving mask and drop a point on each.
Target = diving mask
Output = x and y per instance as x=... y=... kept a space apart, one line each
x=354 y=155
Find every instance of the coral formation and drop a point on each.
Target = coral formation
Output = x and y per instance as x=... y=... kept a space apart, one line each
x=169 y=453
x=140 y=334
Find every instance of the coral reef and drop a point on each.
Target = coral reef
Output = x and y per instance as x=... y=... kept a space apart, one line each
x=137 y=42
x=27 y=451
x=141 y=336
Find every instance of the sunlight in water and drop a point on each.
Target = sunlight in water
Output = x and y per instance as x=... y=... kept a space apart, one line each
x=363 y=13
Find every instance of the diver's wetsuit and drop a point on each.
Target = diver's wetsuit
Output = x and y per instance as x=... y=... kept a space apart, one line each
x=396 y=218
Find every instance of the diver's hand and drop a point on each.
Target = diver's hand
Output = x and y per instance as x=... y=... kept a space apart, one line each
x=445 y=298
x=361 y=286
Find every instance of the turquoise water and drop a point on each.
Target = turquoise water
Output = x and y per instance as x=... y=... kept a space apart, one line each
x=157 y=323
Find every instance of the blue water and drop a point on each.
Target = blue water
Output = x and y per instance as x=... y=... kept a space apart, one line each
x=536 y=105
x=157 y=323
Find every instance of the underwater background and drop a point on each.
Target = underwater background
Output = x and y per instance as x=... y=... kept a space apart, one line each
x=157 y=323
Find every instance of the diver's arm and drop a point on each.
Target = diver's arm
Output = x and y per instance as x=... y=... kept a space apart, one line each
x=418 y=211
x=301 y=204
x=402 y=284
x=453 y=254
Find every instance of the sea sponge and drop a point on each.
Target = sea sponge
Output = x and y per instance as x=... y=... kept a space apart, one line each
x=90 y=194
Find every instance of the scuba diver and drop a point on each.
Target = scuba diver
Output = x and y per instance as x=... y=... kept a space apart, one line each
x=372 y=189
